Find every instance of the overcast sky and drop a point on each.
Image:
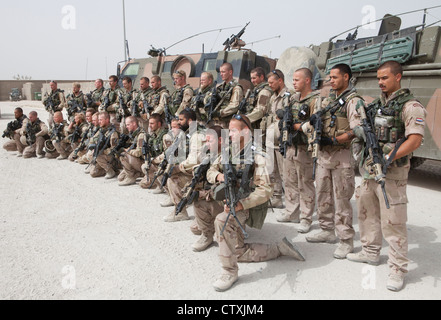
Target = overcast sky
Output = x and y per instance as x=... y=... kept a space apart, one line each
x=84 y=39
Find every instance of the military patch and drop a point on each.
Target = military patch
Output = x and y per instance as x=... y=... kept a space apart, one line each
x=420 y=121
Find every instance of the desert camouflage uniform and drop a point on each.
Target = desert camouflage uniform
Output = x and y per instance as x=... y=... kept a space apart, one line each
x=82 y=130
x=96 y=98
x=258 y=104
x=59 y=101
x=297 y=174
x=105 y=162
x=85 y=155
x=199 y=101
x=232 y=246
x=137 y=107
x=335 y=176
x=158 y=99
x=122 y=114
x=80 y=105
x=374 y=218
x=33 y=148
x=233 y=94
x=61 y=143
x=14 y=143
x=132 y=160
x=181 y=99
x=113 y=106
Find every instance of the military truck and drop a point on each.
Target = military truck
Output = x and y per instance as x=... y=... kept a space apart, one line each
x=15 y=94
x=417 y=48
x=163 y=65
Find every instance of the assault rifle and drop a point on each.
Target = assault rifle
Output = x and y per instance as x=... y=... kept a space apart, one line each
x=230 y=42
x=122 y=142
x=102 y=144
x=11 y=128
x=147 y=107
x=75 y=135
x=146 y=152
x=373 y=152
x=286 y=126
x=190 y=194
x=106 y=103
x=30 y=134
x=244 y=103
x=168 y=115
x=123 y=109
x=57 y=132
x=50 y=104
x=210 y=107
x=89 y=100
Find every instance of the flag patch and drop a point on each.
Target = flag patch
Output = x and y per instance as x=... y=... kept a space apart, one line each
x=420 y=120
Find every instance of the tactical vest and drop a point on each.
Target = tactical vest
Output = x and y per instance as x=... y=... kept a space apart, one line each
x=335 y=121
x=155 y=142
x=176 y=99
x=112 y=94
x=155 y=97
x=75 y=100
x=301 y=111
x=55 y=95
x=225 y=91
x=31 y=130
x=254 y=97
x=199 y=101
x=97 y=94
x=389 y=125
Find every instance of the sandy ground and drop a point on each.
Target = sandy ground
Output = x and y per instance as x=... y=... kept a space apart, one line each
x=64 y=235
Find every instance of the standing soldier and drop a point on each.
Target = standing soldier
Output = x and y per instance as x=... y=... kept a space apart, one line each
x=155 y=148
x=229 y=94
x=33 y=137
x=258 y=102
x=13 y=132
x=297 y=169
x=250 y=209
x=201 y=99
x=132 y=158
x=397 y=142
x=93 y=99
x=109 y=101
x=160 y=98
x=75 y=102
x=59 y=135
x=123 y=101
x=138 y=109
x=270 y=125
x=103 y=162
x=54 y=101
x=335 y=176
x=181 y=98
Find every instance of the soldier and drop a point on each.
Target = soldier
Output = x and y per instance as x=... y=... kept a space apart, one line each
x=109 y=101
x=270 y=125
x=123 y=101
x=33 y=137
x=258 y=103
x=398 y=107
x=93 y=99
x=58 y=135
x=251 y=209
x=200 y=100
x=54 y=101
x=156 y=148
x=75 y=102
x=138 y=109
x=299 y=185
x=192 y=139
x=181 y=98
x=83 y=151
x=104 y=163
x=13 y=132
x=230 y=94
x=77 y=129
x=132 y=158
x=205 y=207
x=159 y=98
x=335 y=176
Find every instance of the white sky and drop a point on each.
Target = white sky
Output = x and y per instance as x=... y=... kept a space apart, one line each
x=36 y=43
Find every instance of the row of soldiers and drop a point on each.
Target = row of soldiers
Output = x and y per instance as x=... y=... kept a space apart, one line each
x=278 y=142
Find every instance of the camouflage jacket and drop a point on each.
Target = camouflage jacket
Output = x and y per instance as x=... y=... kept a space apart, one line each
x=181 y=99
x=54 y=101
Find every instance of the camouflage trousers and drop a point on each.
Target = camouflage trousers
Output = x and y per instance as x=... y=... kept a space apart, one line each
x=11 y=145
x=376 y=221
x=299 y=186
x=63 y=148
x=33 y=150
x=335 y=188
x=131 y=165
x=205 y=213
x=175 y=184
x=148 y=179
x=232 y=246
x=276 y=174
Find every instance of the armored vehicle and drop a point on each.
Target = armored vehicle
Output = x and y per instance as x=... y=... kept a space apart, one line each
x=417 y=48
x=15 y=95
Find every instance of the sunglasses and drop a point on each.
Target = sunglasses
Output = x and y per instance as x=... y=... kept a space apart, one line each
x=240 y=118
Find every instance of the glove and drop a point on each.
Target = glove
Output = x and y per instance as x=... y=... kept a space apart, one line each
x=325 y=141
x=313 y=120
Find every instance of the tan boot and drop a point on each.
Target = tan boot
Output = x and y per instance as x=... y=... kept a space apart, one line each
x=287 y=248
x=122 y=176
x=344 y=248
x=225 y=282
x=172 y=217
x=304 y=226
x=128 y=181
x=287 y=218
x=158 y=191
x=395 y=281
x=167 y=203
x=327 y=236
x=110 y=174
x=363 y=257
x=203 y=243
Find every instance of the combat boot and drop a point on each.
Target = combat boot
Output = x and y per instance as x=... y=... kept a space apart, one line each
x=158 y=191
x=62 y=157
x=395 y=281
x=363 y=257
x=194 y=228
x=122 y=176
x=304 y=226
x=287 y=218
x=344 y=248
x=110 y=174
x=287 y=248
x=203 y=243
x=327 y=236
x=225 y=282
x=172 y=217
x=167 y=203
x=128 y=181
